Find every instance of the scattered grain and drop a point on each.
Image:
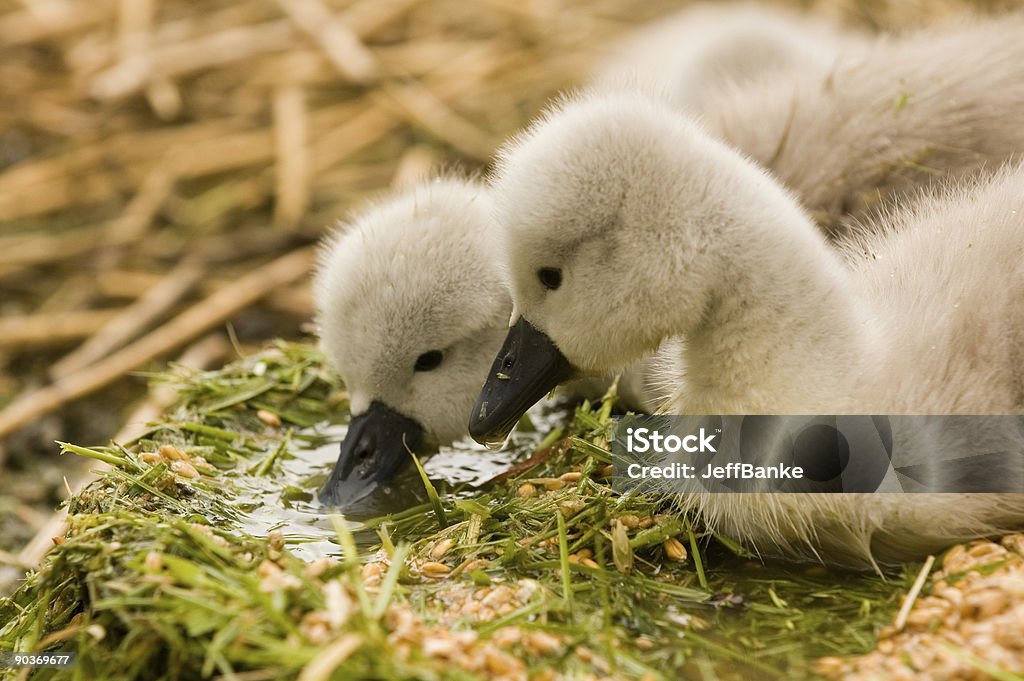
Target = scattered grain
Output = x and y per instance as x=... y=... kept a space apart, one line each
x=674 y=549
x=434 y=570
x=269 y=418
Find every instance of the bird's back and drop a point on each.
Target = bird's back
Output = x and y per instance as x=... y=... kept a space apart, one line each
x=885 y=120
x=945 y=281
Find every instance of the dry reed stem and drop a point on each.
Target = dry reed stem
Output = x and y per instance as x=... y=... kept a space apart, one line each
x=53 y=328
x=134 y=22
x=155 y=302
x=343 y=48
x=187 y=325
x=13 y=560
x=164 y=98
x=414 y=166
x=292 y=152
x=423 y=107
x=296 y=300
x=138 y=215
x=367 y=17
x=183 y=58
x=80 y=176
x=72 y=294
x=16 y=251
x=30 y=26
x=915 y=591
x=126 y=283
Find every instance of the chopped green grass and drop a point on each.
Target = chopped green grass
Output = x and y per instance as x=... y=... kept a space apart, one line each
x=162 y=577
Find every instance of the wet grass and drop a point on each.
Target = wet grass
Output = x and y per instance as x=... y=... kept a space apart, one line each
x=167 y=576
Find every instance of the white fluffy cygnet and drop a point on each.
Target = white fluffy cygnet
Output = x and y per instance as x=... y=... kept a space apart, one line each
x=922 y=316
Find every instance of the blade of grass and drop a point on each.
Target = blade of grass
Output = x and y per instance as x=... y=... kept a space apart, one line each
x=385 y=540
x=602 y=455
x=435 y=500
x=264 y=466
x=698 y=562
x=657 y=534
x=550 y=439
x=563 y=555
x=105 y=457
x=387 y=586
x=349 y=551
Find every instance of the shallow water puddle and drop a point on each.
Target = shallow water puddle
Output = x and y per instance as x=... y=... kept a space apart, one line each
x=287 y=502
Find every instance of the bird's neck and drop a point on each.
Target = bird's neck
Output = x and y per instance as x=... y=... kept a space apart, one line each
x=784 y=331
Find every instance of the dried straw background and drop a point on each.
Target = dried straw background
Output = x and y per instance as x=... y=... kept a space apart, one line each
x=165 y=168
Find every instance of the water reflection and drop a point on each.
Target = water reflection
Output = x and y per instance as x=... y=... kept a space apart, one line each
x=286 y=501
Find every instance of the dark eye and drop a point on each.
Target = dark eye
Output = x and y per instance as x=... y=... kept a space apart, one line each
x=429 y=361
x=550 y=277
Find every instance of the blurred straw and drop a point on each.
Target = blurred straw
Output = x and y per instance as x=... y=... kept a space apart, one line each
x=132 y=320
x=292 y=151
x=415 y=165
x=52 y=328
x=211 y=311
x=342 y=46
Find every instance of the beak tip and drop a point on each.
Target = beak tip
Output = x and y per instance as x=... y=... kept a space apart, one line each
x=328 y=497
x=527 y=367
x=478 y=432
x=373 y=452
x=485 y=425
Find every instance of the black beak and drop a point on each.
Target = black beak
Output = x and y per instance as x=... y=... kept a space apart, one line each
x=527 y=367
x=376 y=447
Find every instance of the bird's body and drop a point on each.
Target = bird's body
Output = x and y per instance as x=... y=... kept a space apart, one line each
x=939 y=295
x=846 y=122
